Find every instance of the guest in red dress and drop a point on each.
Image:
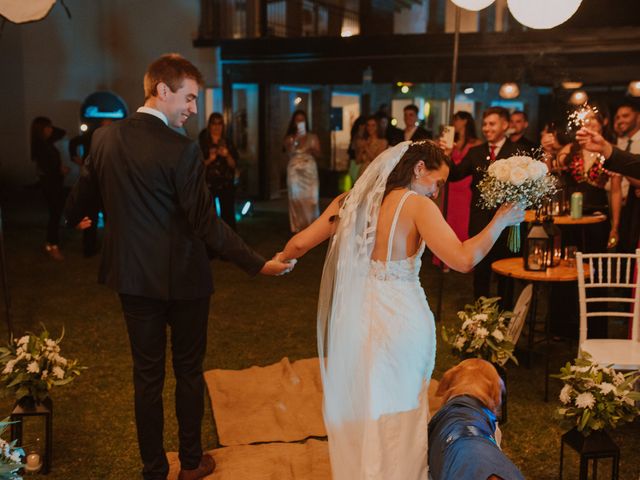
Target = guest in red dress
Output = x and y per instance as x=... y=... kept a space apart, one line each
x=458 y=194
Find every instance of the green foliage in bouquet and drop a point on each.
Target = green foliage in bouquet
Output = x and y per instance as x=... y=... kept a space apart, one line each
x=10 y=456
x=483 y=333
x=596 y=397
x=32 y=365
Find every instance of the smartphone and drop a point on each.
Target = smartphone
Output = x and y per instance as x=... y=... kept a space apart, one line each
x=447 y=135
x=302 y=128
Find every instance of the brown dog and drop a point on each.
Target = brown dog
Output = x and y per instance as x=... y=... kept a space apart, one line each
x=474 y=377
x=462 y=434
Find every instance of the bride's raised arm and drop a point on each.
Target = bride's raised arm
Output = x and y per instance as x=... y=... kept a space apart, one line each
x=316 y=233
x=443 y=242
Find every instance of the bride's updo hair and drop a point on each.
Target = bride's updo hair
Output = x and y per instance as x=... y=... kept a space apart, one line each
x=425 y=150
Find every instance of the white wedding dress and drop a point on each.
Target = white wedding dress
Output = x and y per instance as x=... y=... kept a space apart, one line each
x=380 y=346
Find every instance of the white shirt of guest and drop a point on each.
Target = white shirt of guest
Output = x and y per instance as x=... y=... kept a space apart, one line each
x=498 y=146
x=635 y=143
x=408 y=133
x=155 y=113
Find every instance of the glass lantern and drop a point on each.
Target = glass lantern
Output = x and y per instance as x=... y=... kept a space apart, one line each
x=33 y=431
x=536 y=249
x=555 y=239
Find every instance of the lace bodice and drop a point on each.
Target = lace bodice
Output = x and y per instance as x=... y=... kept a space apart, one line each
x=406 y=269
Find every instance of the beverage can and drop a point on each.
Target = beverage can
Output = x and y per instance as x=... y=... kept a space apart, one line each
x=576 y=205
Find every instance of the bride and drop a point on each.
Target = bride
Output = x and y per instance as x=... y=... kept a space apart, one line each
x=376 y=333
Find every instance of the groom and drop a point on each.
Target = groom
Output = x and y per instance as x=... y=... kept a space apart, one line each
x=160 y=224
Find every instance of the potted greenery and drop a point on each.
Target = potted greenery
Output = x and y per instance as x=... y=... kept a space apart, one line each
x=10 y=456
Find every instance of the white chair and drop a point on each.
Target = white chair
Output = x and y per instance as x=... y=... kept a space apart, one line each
x=520 y=314
x=606 y=271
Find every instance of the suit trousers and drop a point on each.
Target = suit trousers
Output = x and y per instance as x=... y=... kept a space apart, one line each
x=147 y=320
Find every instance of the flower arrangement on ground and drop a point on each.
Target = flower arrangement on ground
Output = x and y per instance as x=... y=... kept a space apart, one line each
x=32 y=365
x=10 y=456
x=596 y=397
x=519 y=179
x=483 y=333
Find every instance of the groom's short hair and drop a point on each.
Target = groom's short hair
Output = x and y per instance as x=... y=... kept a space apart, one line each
x=500 y=111
x=170 y=69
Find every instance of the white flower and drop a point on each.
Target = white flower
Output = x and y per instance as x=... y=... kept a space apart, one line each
x=58 y=372
x=606 y=388
x=628 y=401
x=50 y=343
x=518 y=176
x=565 y=394
x=498 y=335
x=468 y=322
x=23 y=340
x=460 y=342
x=501 y=171
x=45 y=374
x=8 y=368
x=481 y=317
x=585 y=400
x=618 y=379
x=33 y=367
x=482 y=332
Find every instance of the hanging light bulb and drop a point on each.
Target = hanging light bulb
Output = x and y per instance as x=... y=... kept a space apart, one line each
x=509 y=90
x=634 y=88
x=579 y=97
x=542 y=14
x=473 y=5
x=571 y=85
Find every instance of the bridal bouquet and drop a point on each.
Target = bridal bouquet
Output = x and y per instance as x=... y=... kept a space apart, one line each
x=596 y=397
x=483 y=333
x=10 y=456
x=31 y=365
x=519 y=179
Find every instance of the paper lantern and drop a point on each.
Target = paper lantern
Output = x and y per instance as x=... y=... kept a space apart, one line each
x=543 y=14
x=473 y=5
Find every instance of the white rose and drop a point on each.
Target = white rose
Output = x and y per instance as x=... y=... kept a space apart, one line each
x=585 y=400
x=565 y=394
x=58 y=372
x=498 y=335
x=501 y=170
x=517 y=176
x=33 y=367
x=482 y=332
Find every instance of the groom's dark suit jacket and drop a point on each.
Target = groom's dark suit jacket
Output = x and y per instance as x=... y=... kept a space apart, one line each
x=475 y=164
x=160 y=220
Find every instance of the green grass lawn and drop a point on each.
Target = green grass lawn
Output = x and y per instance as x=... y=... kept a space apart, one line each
x=252 y=322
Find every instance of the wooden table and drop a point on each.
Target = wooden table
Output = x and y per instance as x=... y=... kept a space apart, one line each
x=514 y=268
x=530 y=216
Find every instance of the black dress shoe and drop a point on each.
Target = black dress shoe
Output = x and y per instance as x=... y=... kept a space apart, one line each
x=206 y=467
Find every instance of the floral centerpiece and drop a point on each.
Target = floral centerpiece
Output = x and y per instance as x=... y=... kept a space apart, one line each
x=32 y=365
x=10 y=456
x=483 y=333
x=596 y=397
x=519 y=179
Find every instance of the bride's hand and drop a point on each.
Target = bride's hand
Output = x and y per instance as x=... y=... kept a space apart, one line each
x=510 y=214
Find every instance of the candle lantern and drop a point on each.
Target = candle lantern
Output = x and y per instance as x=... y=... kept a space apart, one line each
x=33 y=431
x=537 y=248
x=555 y=240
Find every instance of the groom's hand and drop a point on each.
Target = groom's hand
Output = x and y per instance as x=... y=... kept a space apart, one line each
x=277 y=267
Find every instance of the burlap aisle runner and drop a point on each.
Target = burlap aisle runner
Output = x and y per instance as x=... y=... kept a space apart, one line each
x=276 y=461
x=280 y=402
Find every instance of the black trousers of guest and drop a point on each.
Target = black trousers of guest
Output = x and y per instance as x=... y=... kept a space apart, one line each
x=54 y=195
x=147 y=320
x=482 y=274
x=227 y=198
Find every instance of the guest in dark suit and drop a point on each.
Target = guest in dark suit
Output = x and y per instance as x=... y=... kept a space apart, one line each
x=518 y=124
x=495 y=122
x=160 y=222
x=413 y=131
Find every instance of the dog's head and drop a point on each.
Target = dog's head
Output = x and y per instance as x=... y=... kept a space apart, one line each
x=474 y=377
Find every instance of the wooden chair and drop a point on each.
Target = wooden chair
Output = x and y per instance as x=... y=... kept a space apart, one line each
x=609 y=271
x=520 y=314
